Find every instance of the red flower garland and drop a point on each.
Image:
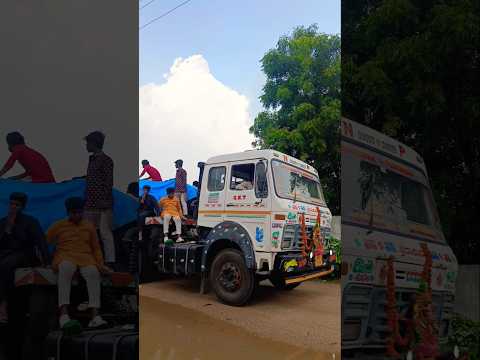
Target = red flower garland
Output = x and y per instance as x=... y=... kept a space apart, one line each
x=305 y=244
x=423 y=322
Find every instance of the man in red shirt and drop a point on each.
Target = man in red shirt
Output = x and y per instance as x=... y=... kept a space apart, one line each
x=153 y=174
x=35 y=165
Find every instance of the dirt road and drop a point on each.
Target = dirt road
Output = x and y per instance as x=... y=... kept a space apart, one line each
x=300 y=324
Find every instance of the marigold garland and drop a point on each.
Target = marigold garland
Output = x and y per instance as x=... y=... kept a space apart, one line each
x=422 y=328
x=316 y=243
x=304 y=237
x=317 y=236
x=426 y=330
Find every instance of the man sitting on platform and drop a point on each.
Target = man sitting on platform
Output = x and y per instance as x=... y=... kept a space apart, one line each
x=77 y=247
x=171 y=209
x=22 y=244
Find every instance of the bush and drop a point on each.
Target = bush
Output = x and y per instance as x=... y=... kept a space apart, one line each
x=334 y=244
x=466 y=335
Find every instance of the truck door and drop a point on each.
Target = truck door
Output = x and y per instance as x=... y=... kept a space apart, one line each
x=212 y=197
x=246 y=204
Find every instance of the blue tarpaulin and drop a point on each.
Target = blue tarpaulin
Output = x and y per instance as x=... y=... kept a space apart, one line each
x=159 y=188
x=46 y=202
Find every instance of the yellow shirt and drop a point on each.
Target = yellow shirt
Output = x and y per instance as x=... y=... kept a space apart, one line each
x=170 y=206
x=76 y=243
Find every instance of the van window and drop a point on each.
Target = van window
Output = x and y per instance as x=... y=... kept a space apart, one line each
x=261 y=183
x=242 y=177
x=216 y=178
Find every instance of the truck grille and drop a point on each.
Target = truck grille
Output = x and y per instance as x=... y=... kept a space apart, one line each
x=291 y=239
x=367 y=305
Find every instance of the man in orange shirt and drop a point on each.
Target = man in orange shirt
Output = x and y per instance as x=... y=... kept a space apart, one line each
x=77 y=247
x=171 y=209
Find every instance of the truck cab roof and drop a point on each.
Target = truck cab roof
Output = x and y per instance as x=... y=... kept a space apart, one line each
x=367 y=137
x=267 y=154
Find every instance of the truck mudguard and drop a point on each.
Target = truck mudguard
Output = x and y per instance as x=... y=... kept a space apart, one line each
x=234 y=232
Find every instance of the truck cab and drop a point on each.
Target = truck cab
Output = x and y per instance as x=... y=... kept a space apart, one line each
x=261 y=215
x=389 y=218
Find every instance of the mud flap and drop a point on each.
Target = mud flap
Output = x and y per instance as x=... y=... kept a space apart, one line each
x=204 y=283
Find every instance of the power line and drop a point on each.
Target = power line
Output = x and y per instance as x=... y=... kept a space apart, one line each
x=164 y=14
x=144 y=6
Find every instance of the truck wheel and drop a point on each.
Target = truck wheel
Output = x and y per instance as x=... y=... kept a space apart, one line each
x=231 y=280
x=279 y=283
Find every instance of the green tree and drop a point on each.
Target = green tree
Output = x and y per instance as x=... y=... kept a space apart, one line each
x=411 y=69
x=301 y=98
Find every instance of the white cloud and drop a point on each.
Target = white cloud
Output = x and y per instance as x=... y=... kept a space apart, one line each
x=191 y=116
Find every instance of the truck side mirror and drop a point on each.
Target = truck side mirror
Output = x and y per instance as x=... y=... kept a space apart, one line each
x=261 y=182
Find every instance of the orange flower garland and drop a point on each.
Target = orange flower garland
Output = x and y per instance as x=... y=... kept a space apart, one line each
x=315 y=243
x=391 y=309
x=427 y=348
x=317 y=236
x=423 y=323
x=304 y=237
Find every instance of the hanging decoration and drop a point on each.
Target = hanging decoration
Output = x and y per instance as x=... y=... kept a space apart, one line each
x=421 y=334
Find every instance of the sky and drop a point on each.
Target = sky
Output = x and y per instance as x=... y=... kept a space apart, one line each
x=64 y=73
x=200 y=74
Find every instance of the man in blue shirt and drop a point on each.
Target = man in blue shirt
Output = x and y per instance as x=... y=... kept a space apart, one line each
x=148 y=205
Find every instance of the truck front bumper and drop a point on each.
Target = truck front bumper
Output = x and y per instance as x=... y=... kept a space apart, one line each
x=308 y=276
x=289 y=267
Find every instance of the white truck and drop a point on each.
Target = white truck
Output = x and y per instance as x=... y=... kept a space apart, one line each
x=388 y=210
x=260 y=215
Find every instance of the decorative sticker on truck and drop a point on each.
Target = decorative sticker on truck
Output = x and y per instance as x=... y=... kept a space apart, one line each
x=413 y=277
x=259 y=234
x=363 y=266
x=275 y=238
x=213 y=197
x=372 y=140
x=290 y=265
x=450 y=279
x=391 y=248
x=362 y=271
x=239 y=197
x=291 y=218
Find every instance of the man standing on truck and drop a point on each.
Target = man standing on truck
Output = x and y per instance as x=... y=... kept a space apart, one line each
x=153 y=173
x=36 y=166
x=99 y=193
x=181 y=185
x=22 y=243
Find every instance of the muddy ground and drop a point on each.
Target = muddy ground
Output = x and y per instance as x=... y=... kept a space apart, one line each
x=179 y=323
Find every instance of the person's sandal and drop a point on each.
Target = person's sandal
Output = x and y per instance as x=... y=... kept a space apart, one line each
x=72 y=327
x=97 y=322
x=167 y=241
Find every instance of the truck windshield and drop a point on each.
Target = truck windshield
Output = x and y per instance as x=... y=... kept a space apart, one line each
x=296 y=184
x=398 y=193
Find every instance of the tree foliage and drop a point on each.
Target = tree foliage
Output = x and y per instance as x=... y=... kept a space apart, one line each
x=411 y=69
x=301 y=98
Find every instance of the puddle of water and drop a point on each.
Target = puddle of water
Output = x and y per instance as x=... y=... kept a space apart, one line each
x=172 y=332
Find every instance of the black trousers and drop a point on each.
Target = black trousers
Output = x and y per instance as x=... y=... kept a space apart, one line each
x=9 y=261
